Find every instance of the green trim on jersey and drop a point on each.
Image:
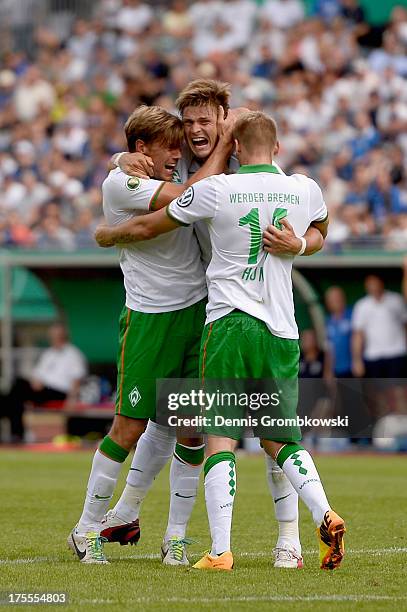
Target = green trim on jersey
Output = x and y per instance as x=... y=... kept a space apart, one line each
x=154 y=199
x=167 y=210
x=252 y=168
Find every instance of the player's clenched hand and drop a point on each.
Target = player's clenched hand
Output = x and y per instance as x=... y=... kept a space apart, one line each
x=103 y=236
x=281 y=242
x=137 y=164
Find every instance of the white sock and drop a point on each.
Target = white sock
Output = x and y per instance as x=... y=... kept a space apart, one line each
x=285 y=506
x=184 y=481
x=220 y=489
x=303 y=475
x=102 y=482
x=154 y=448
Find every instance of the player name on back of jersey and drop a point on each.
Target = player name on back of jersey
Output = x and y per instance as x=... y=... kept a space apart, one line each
x=259 y=197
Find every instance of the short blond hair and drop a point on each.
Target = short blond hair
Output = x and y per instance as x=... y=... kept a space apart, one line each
x=153 y=124
x=202 y=92
x=255 y=129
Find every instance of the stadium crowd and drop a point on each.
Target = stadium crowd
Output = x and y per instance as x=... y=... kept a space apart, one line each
x=336 y=86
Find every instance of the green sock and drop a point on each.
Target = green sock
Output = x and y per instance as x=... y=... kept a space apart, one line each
x=113 y=450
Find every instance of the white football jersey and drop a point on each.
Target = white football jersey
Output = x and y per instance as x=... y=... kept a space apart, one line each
x=162 y=274
x=186 y=167
x=237 y=209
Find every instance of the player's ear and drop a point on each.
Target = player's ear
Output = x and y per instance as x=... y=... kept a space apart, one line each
x=238 y=148
x=276 y=148
x=140 y=146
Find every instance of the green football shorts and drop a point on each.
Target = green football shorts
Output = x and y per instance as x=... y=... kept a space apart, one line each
x=241 y=358
x=151 y=346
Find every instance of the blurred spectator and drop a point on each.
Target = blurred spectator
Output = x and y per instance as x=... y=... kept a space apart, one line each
x=84 y=230
x=334 y=190
x=83 y=40
x=352 y=11
x=339 y=332
x=379 y=343
x=134 y=16
x=57 y=376
x=356 y=210
x=391 y=55
x=7 y=83
x=312 y=358
x=366 y=136
x=52 y=236
x=13 y=194
x=384 y=198
x=326 y=9
x=266 y=67
x=177 y=20
x=313 y=373
x=283 y=13
x=33 y=94
x=344 y=396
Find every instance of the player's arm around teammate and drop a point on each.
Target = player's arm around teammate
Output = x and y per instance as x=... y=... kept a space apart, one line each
x=107 y=236
x=281 y=242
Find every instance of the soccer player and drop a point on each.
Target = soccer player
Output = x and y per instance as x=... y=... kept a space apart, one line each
x=160 y=329
x=251 y=305
x=199 y=105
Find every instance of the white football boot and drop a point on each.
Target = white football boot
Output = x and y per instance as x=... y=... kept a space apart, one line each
x=88 y=547
x=173 y=551
x=288 y=558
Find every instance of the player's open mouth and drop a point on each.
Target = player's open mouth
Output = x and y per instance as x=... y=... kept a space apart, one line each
x=170 y=167
x=200 y=142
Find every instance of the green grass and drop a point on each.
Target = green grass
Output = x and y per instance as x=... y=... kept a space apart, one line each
x=41 y=498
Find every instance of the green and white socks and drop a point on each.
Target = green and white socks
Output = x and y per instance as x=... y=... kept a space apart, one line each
x=106 y=466
x=186 y=467
x=285 y=506
x=220 y=489
x=300 y=469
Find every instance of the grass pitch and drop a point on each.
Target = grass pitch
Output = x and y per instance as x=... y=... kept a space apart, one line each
x=42 y=498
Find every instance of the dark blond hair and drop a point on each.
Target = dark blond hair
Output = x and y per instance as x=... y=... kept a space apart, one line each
x=202 y=92
x=153 y=124
x=254 y=129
